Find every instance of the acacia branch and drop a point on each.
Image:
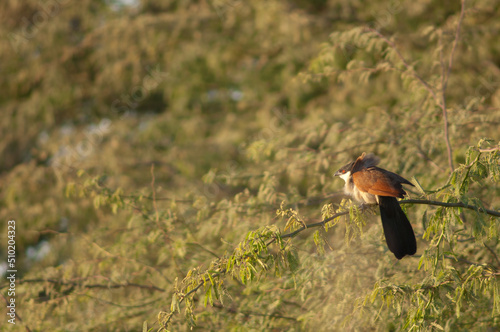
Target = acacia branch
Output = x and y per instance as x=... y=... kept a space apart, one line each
x=457 y=204
x=307 y=226
x=406 y=201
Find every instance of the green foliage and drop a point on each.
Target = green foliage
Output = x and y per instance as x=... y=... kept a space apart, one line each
x=176 y=158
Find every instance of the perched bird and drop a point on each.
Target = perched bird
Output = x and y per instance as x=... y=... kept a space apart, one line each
x=372 y=185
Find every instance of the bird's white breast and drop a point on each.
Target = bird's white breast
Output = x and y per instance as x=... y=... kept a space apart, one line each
x=357 y=194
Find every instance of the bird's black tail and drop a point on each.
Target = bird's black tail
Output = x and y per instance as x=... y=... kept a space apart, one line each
x=397 y=229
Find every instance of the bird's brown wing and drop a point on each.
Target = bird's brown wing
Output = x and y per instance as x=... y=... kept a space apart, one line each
x=377 y=181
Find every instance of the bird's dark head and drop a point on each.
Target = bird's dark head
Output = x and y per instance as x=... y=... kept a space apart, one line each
x=345 y=169
x=363 y=161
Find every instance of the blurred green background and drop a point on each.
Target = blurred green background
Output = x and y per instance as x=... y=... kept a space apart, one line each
x=142 y=139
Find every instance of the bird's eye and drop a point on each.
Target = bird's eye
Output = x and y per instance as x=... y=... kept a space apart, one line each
x=342 y=171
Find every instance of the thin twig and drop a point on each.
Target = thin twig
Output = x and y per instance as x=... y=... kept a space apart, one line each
x=455 y=42
x=493 y=253
x=444 y=83
x=306 y=226
x=426 y=157
x=119 y=305
x=154 y=192
x=159 y=198
x=490 y=150
x=202 y=247
x=157 y=215
x=407 y=66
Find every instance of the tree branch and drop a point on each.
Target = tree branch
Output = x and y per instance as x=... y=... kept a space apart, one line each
x=307 y=226
x=458 y=204
x=407 y=201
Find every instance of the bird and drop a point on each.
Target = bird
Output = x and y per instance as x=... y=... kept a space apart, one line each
x=369 y=184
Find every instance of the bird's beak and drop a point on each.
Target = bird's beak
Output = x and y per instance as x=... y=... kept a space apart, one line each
x=337 y=173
